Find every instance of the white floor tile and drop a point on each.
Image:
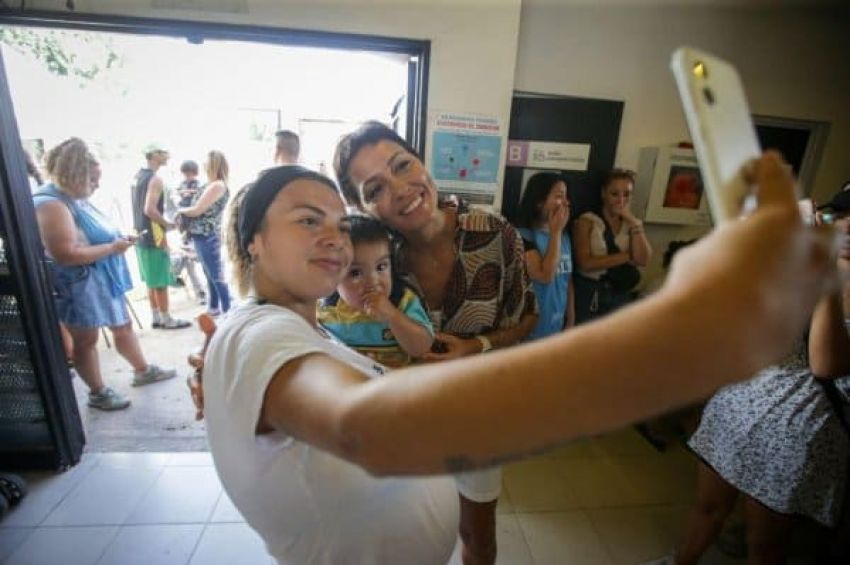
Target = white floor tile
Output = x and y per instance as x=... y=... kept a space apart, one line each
x=225 y=511
x=230 y=544
x=540 y=484
x=106 y=496
x=134 y=460
x=191 y=459
x=505 y=504
x=153 y=545
x=623 y=443
x=562 y=538
x=601 y=482
x=11 y=539
x=573 y=450
x=639 y=534
x=513 y=548
x=180 y=495
x=68 y=546
x=665 y=479
x=46 y=491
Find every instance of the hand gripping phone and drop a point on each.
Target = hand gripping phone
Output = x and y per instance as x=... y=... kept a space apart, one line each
x=721 y=128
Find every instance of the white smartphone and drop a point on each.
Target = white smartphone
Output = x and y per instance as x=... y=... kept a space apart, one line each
x=721 y=128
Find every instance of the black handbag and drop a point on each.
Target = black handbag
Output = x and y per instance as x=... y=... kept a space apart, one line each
x=622 y=278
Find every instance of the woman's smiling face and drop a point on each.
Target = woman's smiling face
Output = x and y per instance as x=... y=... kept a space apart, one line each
x=394 y=186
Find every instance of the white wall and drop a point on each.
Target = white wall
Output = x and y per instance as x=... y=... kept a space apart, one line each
x=473 y=42
x=794 y=63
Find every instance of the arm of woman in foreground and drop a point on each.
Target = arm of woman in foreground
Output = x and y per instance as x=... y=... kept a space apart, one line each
x=59 y=236
x=747 y=291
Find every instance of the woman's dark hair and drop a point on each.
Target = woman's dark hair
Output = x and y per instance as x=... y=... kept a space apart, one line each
x=247 y=215
x=618 y=174
x=537 y=190
x=365 y=229
x=189 y=167
x=350 y=144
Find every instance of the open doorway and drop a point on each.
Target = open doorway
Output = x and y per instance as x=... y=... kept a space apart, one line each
x=192 y=88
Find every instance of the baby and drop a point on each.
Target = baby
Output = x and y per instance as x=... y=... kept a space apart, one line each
x=374 y=311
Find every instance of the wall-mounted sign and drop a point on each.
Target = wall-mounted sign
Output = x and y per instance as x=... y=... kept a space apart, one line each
x=465 y=153
x=545 y=155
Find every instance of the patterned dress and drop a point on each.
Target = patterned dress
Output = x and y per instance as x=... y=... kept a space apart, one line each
x=778 y=439
x=489 y=287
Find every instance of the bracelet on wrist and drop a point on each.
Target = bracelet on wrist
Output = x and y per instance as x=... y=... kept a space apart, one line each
x=486 y=344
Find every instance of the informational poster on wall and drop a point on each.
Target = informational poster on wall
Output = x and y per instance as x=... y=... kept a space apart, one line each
x=465 y=152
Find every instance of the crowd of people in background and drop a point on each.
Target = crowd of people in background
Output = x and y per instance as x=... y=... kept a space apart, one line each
x=329 y=359
x=85 y=251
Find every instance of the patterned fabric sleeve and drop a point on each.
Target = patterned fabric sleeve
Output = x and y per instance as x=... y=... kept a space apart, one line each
x=519 y=298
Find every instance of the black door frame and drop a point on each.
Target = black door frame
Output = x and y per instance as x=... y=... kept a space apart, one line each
x=197 y=31
x=27 y=281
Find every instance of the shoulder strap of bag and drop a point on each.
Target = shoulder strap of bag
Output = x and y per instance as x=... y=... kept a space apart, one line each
x=608 y=235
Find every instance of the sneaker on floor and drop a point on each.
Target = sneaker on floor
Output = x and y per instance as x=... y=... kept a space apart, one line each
x=174 y=324
x=214 y=313
x=107 y=399
x=152 y=374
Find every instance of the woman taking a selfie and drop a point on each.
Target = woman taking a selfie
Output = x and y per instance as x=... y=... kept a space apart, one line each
x=311 y=442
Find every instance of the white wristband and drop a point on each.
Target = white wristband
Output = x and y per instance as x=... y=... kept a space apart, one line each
x=486 y=345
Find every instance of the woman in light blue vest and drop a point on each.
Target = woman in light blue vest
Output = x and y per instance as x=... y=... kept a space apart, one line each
x=544 y=213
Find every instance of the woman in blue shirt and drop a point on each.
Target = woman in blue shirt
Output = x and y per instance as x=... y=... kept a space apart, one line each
x=544 y=212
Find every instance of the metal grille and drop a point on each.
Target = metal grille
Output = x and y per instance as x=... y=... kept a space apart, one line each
x=19 y=398
x=4 y=265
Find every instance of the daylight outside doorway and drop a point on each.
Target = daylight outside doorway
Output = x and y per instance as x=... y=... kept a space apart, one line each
x=121 y=92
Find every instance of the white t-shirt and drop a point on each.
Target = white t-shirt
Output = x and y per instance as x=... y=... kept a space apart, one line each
x=597 y=240
x=310 y=506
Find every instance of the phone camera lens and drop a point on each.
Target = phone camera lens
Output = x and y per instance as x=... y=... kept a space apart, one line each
x=708 y=94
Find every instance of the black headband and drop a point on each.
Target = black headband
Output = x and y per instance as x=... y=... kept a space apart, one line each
x=261 y=193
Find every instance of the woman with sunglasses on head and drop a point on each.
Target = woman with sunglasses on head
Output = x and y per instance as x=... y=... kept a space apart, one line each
x=609 y=245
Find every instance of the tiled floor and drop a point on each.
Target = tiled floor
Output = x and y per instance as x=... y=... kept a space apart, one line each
x=611 y=500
